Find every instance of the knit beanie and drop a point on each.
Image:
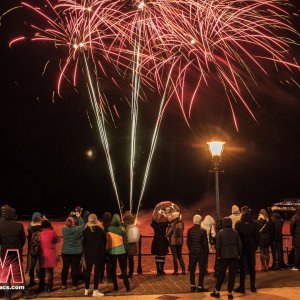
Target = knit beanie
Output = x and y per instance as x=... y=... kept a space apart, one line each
x=36 y=217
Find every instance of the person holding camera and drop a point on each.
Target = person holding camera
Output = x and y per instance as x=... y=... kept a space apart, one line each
x=72 y=249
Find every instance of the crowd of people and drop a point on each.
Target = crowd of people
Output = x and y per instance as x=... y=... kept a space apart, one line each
x=93 y=245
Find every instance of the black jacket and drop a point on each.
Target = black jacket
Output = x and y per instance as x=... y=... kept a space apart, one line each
x=94 y=244
x=249 y=233
x=197 y=241
x=228 y=244
x=160 y=243
x=278 y=224
x=295 y=230
x=266 y=233
x=12 y=235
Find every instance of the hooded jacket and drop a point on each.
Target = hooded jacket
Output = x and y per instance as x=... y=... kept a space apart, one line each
x=249 y=233
x=94 y=241
x=208 y=224
x=116 y=237
x=73 y=238
x=228 y=244
x=12 y=235
x=235 y=215
x=278 y=224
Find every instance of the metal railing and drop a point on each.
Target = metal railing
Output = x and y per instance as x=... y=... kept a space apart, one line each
x=286 y=249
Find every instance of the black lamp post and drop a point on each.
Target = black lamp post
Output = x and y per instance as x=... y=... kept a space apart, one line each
x=216 y=149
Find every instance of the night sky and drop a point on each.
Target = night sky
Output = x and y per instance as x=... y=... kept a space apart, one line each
x=43 y=163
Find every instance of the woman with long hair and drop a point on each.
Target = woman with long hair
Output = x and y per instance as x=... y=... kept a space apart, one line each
x=93 y=242
x=266 y=235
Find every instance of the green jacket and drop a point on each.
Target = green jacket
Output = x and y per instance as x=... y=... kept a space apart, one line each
x=116 y=237
x=73 y=238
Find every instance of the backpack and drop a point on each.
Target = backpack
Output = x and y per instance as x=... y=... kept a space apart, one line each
x=35 y=246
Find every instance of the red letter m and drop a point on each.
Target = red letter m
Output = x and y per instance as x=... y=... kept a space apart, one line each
x=10 y=268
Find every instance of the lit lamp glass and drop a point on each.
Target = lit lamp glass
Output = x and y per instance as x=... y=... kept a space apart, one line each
x=216 y=148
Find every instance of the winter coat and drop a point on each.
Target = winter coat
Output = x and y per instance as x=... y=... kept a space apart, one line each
x=116 y=237
x=34 y=227
x=160 y=243
x=228 y=243
x=73 y=238
x=278 y=224
x=197 y=241
x=48 y=256
x=249 y=233
x=208 y=224
x=12 y=236
x=295 y=230
x=266 y=232
x=235 y=217
x=133 y=235
x=175 y=232
x=94 y=242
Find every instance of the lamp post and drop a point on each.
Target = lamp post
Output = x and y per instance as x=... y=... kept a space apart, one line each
x=216 y=149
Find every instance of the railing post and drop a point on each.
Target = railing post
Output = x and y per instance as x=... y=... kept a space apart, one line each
x=139 y=268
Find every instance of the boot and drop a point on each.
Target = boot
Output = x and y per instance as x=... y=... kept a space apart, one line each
x=158 y=268
x=162 y=265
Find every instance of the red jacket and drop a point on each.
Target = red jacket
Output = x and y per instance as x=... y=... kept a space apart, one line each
x=48 y=257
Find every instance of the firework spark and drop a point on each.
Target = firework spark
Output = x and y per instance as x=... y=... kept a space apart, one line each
x=174 y=47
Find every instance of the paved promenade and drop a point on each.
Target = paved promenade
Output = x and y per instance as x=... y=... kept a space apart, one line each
x=274 y=285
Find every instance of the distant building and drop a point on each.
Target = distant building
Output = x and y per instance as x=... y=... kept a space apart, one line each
x=286 y=208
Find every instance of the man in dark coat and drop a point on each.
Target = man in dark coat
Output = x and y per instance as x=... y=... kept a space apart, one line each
x=249 y=233
x=198 y=252
x=228 y=250
x=295 y=232
x=12 y=236
x=277 y=253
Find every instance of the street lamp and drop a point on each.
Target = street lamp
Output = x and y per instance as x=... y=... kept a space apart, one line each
x=216 y=149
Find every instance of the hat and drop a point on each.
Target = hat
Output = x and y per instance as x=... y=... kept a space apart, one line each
x=92 y=219
x=235 y=209
x=245 y=210
x=8 y=212
x=36 y=216
x=107 y=216
x=197 y=219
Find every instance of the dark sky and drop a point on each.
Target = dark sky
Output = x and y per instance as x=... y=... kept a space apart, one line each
x=43 y=164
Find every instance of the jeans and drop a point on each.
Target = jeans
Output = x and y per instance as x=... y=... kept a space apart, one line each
x=297 y=257
x=194 y=260
x=42 y=273
x=264 y=256
x=177 y=256
x=277 y=254
x=97 y=271
x=130 y=264
x=122 y=259
x=247 y=259
x=33 y=265
x=223 y=264
x=72 y=260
